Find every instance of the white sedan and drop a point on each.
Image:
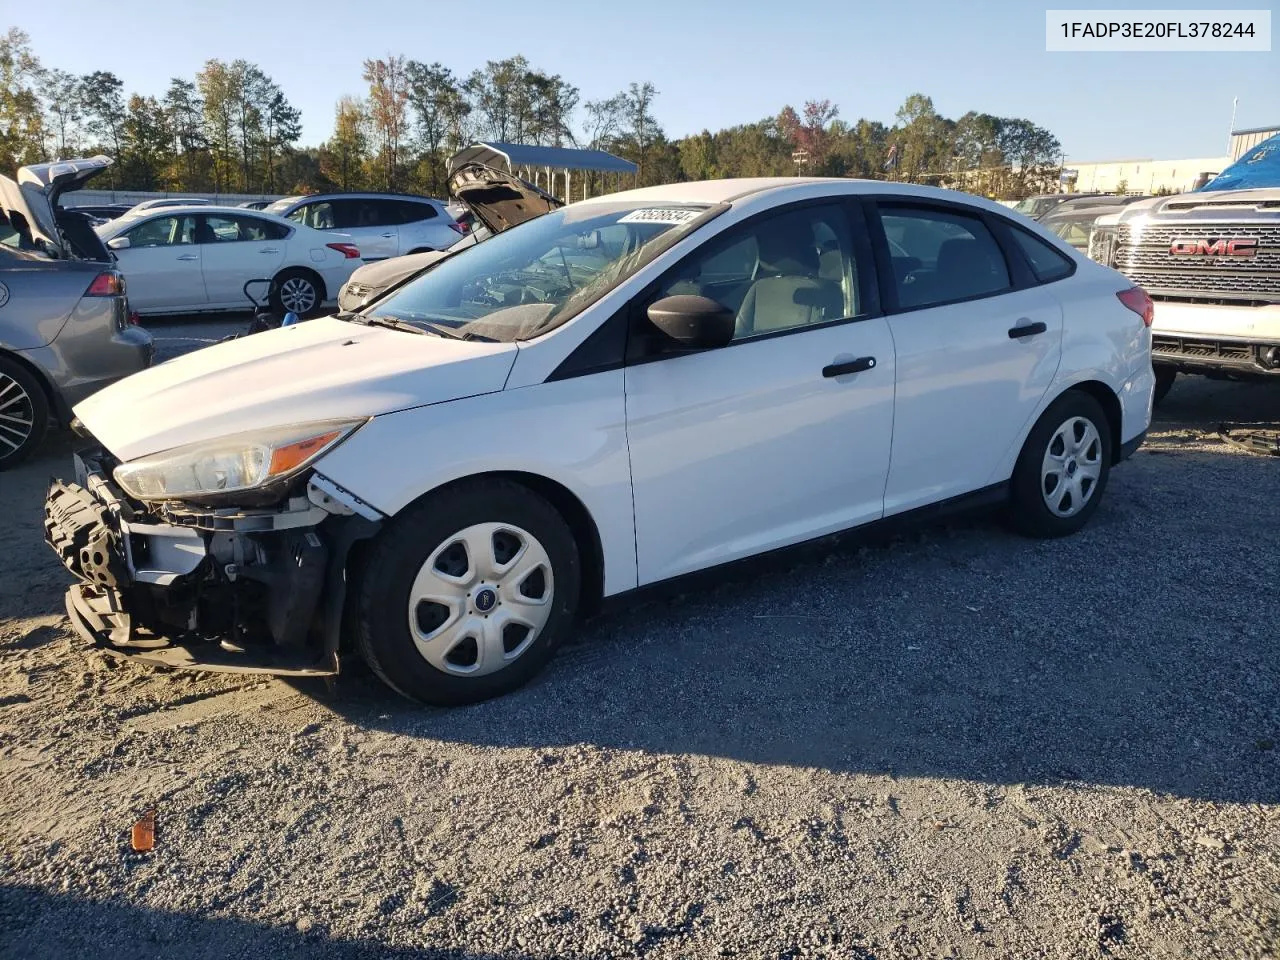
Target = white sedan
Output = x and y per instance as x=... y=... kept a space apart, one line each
x=617 y=393
x=194 y=258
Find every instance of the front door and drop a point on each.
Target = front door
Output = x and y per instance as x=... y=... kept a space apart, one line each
x=161 y=265
x=782 y=435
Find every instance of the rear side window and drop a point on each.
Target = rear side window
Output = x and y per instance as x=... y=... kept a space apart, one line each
x=357 y=212
x=939 y=256
x=410 y=211
x=1047 y=263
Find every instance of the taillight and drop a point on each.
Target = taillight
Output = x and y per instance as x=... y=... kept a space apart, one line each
x=1136 y=299
x=106 y=284
x=460 y=227
x=348 y=250
x=134 y=319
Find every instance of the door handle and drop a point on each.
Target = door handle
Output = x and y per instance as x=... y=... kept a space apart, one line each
x=1026 y=329
x=387 y=236
x=848 y=366
x=188 y=256
x=268 y=250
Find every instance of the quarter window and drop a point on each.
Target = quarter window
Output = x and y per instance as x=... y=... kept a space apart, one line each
x=944 y=256
x=1047 y=263
x=783 y=272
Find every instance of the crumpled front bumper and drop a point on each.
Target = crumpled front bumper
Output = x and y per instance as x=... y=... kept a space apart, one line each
x=229 y=590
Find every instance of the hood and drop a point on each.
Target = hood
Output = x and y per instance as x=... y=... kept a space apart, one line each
x=35 y=195
x=1208 y=206
x=383 y=273
x=1259 y=167
x=325 y=369
x=498 y=199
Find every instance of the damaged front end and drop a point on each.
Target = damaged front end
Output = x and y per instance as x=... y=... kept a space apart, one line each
x=223 y=588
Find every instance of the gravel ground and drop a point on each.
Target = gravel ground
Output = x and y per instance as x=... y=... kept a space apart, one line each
x=956 y=744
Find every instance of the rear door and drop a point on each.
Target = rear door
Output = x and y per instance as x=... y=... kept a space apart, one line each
x=975 y=353
x=423 y=227
x=372 y=223
x=235 y=248
x=161 y=265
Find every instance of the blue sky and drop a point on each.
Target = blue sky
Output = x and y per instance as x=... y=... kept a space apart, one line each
x=714 y=62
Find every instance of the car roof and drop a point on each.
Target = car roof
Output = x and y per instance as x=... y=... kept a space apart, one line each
x=359 y=194
x=735 y=189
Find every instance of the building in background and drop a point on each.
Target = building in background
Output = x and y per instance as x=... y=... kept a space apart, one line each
x=1144 y=176
x=1245 y=140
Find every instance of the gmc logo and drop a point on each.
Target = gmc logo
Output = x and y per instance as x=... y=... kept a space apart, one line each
x=1239 y=247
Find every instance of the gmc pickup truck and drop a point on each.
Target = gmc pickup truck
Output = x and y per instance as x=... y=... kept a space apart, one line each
x=1211 y=263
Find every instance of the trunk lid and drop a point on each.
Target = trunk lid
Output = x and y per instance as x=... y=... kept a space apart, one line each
x=498 y=199
x=34 y=197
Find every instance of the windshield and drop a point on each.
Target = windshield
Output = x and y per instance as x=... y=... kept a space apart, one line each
x=533 y=277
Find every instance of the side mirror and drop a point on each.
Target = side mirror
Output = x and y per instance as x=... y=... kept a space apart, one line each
x=118 y=243
x=693 y=321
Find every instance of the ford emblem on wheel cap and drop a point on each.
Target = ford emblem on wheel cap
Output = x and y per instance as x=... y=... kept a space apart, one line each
x=486 y=599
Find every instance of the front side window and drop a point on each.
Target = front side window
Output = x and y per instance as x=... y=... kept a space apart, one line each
x=947 y=256
x=531 y=278
x=777 y=273
x=318 y=215
x=163 y=232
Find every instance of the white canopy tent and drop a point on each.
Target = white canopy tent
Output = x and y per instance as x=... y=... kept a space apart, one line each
x=541 y=166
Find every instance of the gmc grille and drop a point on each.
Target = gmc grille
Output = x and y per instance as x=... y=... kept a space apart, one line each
x=1142 y=254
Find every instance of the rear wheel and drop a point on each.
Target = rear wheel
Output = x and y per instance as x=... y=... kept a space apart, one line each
x=466 y=595
x=1164 y=381
x=24 y=413
x=1063 y=468
x=296 y=291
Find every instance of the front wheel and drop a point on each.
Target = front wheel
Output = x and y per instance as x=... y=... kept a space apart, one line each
x=1062 y=469
x=467 y=594
x=24 y=413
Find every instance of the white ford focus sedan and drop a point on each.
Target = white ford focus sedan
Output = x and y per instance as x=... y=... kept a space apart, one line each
x=617 y=393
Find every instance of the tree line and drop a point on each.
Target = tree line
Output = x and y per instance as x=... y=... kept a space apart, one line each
x=231 y=129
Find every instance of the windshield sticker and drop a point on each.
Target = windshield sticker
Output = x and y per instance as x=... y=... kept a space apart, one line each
x=673 y=215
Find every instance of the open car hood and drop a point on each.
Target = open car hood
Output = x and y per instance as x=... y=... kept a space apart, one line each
x=498 y=199
x=34 y=196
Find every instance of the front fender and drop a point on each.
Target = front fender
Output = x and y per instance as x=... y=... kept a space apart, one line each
x=572 y=432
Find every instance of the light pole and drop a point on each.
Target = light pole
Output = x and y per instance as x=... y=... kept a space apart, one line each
x=1235 y=102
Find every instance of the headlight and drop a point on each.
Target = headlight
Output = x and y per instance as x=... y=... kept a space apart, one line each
x=1102 y=244
x=241 y=462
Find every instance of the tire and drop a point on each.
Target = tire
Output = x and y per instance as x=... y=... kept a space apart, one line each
x=24 y=413
x=435 y=652
x=1164 y=381
x=293 y=289
x=1073 y=435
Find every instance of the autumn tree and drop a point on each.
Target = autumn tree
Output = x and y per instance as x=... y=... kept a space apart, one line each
x=104 y=112
x=21 y=122
x=388 y=99
x=342 y=159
